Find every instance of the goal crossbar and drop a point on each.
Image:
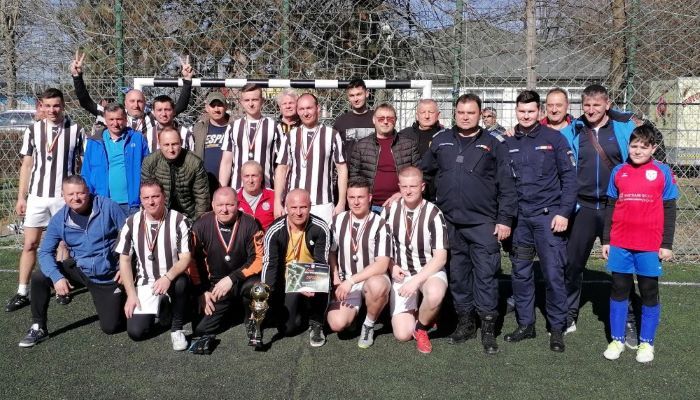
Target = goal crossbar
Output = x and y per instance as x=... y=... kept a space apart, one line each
x=425 y=85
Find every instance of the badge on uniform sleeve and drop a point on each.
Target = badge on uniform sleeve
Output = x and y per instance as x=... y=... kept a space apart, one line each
x=651 y=174
x=571 y=157
x=266 y=206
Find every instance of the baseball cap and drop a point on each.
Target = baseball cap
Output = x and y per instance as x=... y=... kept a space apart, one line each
x=215 y=96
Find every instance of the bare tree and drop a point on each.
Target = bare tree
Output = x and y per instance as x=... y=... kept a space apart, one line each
x=9 y=37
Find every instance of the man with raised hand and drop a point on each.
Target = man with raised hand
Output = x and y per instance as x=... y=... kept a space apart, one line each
x=419 y=280
x=134 y=102
x=159 y=239
x=360 y=257
x=52 y=149
x=252 y=137
x=305 y=161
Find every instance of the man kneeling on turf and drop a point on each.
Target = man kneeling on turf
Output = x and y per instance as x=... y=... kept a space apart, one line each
x=160 y=240
x=89 y=226
x=420 y=237
x=359 y=259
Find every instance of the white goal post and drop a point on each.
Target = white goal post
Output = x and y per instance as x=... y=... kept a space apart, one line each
x=425 y=85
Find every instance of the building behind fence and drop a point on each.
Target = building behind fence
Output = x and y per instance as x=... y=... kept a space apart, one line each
x=645 y=51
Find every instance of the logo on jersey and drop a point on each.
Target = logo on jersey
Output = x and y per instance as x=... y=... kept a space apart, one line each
x=548 y=147
x=266 y=206
x=483 y=146
x=651 y=174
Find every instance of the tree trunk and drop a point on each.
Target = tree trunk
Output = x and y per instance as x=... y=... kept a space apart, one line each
x=617 y=56
x=9 y=12
x=530 y=44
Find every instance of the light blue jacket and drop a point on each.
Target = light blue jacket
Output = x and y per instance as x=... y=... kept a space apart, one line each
x=92 y=248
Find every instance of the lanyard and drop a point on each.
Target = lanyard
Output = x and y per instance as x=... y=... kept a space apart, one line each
x=251 y=142
x=151 y=241
x=414 y=223
x=228 y=246
x=306 y=148
x=57 y=131
x=354 y=242
x=296 y=247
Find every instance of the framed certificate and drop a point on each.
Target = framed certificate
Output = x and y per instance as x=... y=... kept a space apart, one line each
x=307 y=277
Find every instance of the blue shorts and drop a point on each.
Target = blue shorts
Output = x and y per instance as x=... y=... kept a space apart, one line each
x=645 y=263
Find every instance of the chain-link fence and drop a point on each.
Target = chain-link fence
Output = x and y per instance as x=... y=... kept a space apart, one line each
x=645 y=51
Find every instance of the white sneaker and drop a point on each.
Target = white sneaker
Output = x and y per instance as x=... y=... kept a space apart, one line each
x=179 y=340
x=645 y=353
x=615 y=348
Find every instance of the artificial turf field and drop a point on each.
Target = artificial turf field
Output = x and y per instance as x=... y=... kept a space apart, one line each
x=80 y=362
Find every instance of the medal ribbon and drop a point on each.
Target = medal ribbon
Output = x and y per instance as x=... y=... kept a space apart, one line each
x=251 y=142
x=151 y=241
x=59 y=133
x=353 y=239
x=414 y=221
x=228 y=246
x=306 y=149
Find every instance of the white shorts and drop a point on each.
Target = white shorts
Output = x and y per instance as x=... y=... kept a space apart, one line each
x=324 y=211
x=400 y=304
x=41 y=209
x=354 y=298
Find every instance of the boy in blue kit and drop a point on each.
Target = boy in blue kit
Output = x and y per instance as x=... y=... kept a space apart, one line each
x=638 y=235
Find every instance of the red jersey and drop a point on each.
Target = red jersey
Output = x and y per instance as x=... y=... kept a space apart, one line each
x=638 y=216
x=264 y=209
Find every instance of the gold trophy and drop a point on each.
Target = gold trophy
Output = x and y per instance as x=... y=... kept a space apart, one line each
x=259 y=294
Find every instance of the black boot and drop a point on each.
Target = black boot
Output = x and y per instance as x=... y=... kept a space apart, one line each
x=523 y=332
x=556 y=342
x=488 y=334
x=465 y=330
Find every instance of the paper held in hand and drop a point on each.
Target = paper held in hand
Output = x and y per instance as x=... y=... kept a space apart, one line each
x=307 y=277
x=149 y=301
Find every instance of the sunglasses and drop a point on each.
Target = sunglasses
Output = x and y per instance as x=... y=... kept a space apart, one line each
x=390 y=120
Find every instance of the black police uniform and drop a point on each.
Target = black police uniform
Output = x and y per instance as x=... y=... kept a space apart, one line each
x=475 y=191
x=544 y=168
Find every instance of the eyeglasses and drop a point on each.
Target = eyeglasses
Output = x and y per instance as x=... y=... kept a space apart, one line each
x=390 y=120
x=488 y=116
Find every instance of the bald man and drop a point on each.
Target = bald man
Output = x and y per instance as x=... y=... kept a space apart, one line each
x=181 y=173
x=134 y=102
x=228 y=247
x=298 y=236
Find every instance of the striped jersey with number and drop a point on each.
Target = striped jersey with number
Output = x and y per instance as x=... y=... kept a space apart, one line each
x=371 y=237
x=259 y=137
x=310 y=159
x=172 y=238
x=56 y=151
x=426 y=228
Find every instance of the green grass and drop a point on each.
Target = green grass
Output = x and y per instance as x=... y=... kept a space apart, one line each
x=81 y=362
